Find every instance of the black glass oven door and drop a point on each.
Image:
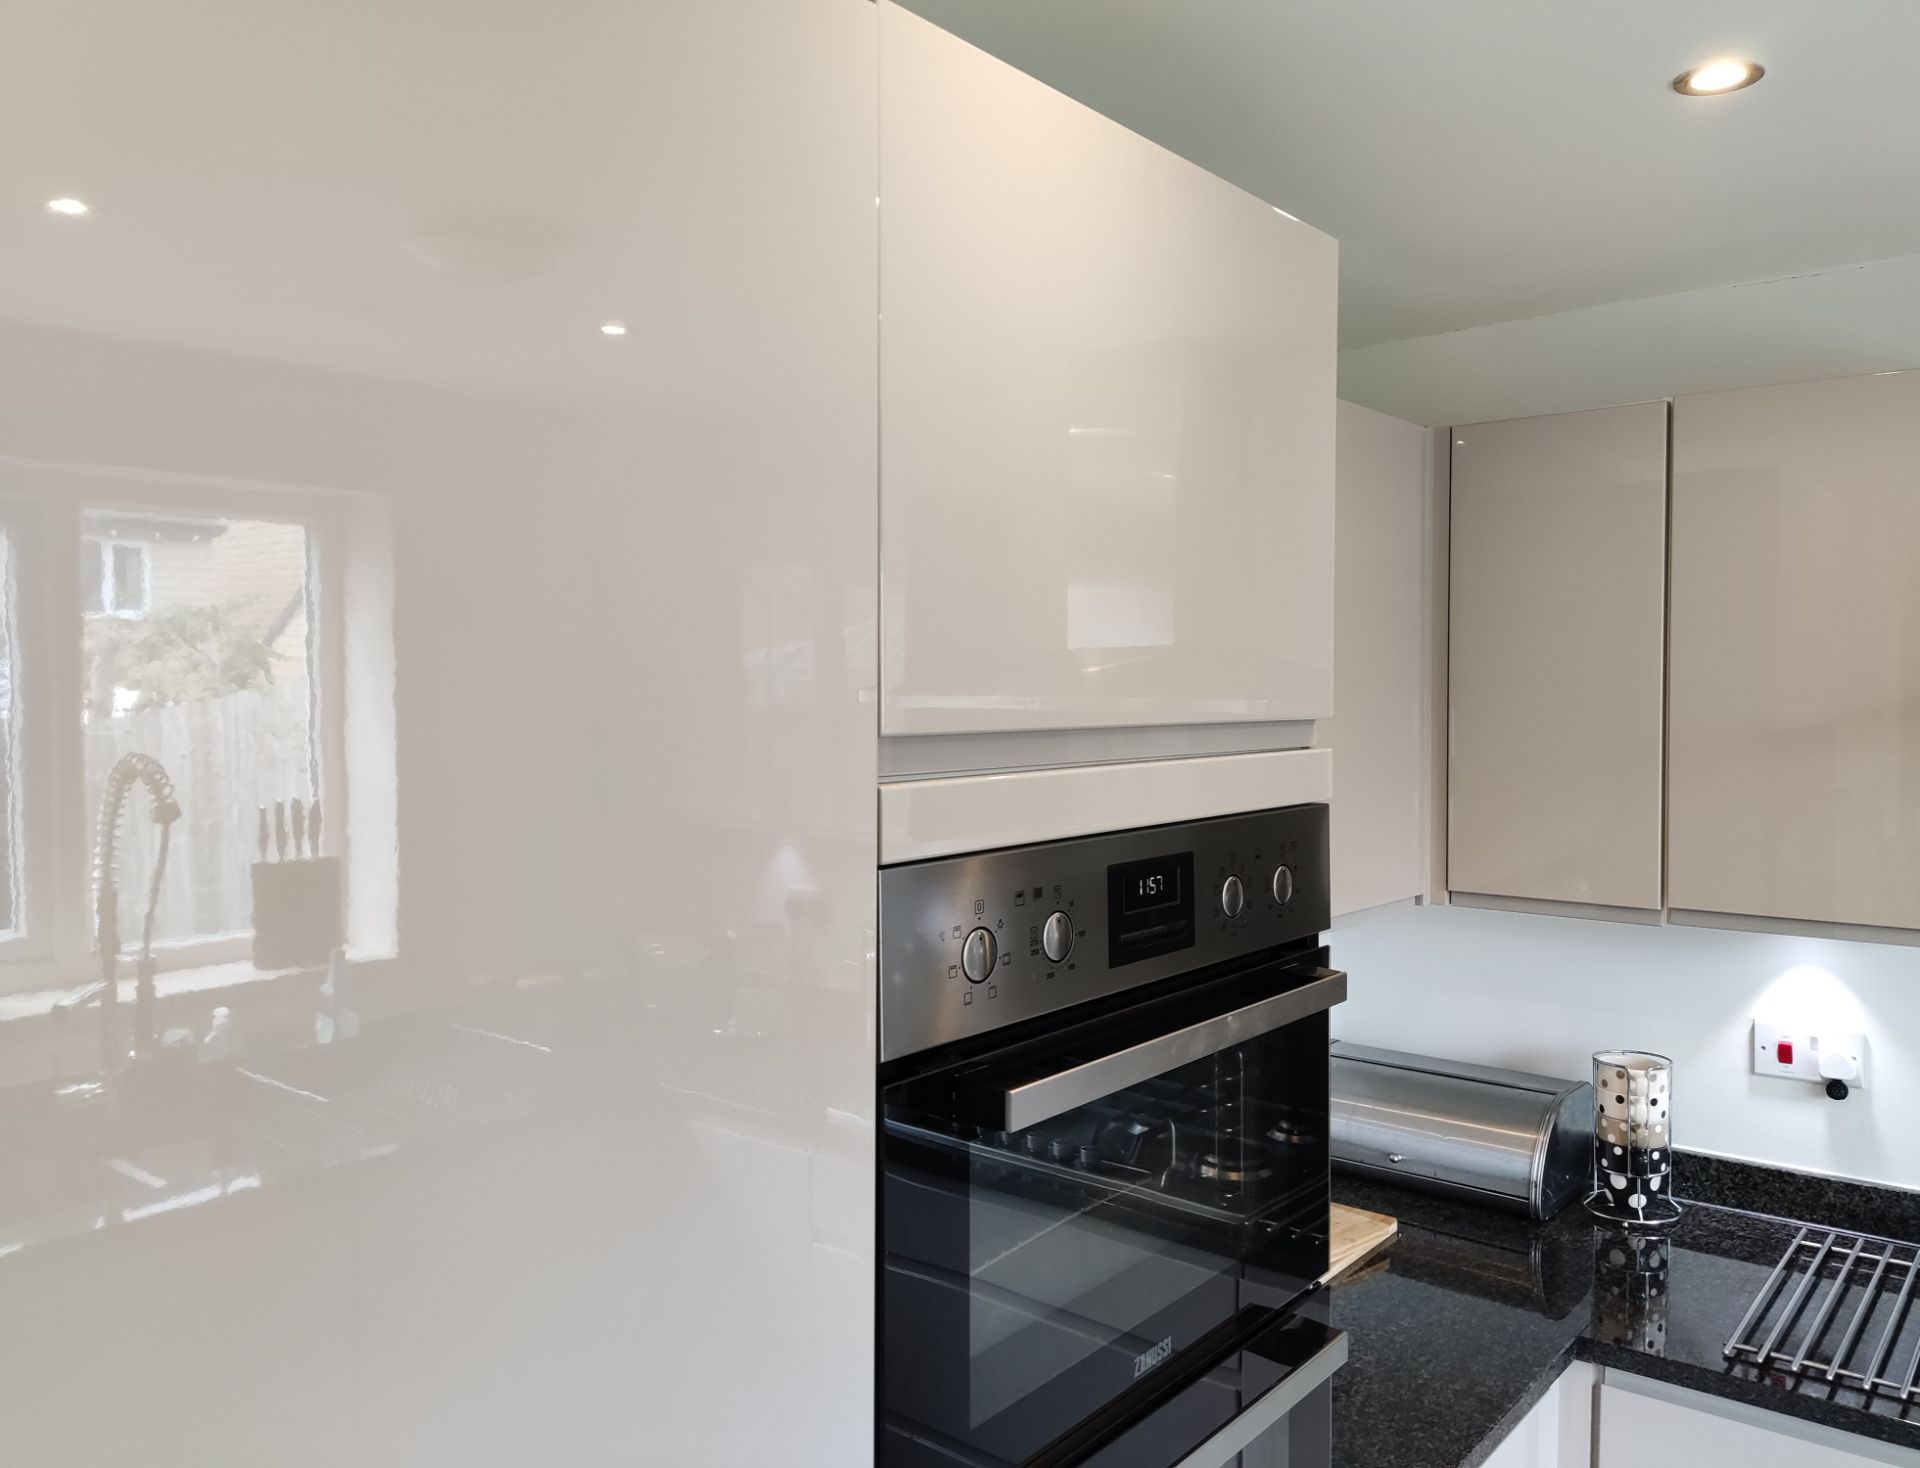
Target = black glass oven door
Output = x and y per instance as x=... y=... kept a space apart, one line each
x=1074 y=1228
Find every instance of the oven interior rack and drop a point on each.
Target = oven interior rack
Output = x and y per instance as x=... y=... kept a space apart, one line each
x=1841 y=1308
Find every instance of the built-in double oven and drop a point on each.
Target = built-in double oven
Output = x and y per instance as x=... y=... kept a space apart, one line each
x=1104 y=1165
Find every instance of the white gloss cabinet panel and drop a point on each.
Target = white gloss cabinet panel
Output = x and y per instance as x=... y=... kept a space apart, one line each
x=1381 y=779
x=1107 y=398
x=575 y=1163
x=1556 y=657
x=1650 y=1425
x=1795 y=740
x=1557 y=1431
x=920 y=819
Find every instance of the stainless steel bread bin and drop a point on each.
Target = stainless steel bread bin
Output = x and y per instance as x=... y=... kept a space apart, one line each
x=1500 y=1137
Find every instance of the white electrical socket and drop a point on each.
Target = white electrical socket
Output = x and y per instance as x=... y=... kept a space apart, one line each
x=1806 y=1047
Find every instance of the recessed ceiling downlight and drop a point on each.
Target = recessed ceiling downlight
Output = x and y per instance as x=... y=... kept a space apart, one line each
x=1716 y=78
x=67 y=207
x=613 y=328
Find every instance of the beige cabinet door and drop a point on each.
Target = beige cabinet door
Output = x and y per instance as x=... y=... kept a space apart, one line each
x=1558 y=569
x=1380 y=737
x=1795 y=740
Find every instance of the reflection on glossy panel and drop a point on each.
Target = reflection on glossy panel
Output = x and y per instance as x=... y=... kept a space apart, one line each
x=197 y=651
x=485 y=1077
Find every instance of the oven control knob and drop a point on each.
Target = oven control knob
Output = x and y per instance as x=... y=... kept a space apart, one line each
x=1056 y=937
x=1283 y=885
x=978 y=956
x=1233 y=897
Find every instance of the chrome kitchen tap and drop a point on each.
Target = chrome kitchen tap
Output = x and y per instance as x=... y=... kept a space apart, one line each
x=146 y=770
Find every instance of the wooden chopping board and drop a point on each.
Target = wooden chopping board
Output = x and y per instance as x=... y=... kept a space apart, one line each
x=1356 y=1235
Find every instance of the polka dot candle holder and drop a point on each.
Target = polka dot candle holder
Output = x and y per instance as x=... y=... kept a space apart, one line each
x=1633 y=1140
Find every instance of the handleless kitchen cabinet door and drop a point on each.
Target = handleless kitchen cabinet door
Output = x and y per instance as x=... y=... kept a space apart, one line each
x=1382 y=779
x=455 y=422
x=1558 y=570
x=1795 y=742
x=1107 y=418
x=1643 y=1421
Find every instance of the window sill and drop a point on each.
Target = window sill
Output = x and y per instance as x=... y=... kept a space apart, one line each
x=206 y=978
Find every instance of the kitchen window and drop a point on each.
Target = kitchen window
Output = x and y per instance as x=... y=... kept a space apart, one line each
x=198 y=638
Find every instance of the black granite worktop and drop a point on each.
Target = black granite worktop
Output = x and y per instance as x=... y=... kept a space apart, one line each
x=1465 y=1320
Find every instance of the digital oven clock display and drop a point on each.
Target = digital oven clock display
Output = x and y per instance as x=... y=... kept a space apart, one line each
x=1149 y=907
x=1146 y=885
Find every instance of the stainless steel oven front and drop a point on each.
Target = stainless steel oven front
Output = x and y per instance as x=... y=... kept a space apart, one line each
x=1104 y=1158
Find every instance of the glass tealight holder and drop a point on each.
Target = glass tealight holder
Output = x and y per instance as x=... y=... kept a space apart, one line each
x=1633 y=1140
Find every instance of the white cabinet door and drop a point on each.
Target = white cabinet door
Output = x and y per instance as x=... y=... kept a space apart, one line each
x=1557 y=1431
x=1795 y=740
x=1556 y=657
x=1380 y=738
x=1107 y=398
x=603 y=690
x=1650 y=1425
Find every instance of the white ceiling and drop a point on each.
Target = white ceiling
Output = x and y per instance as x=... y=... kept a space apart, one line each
x=1499 y=159
x=1844 y=322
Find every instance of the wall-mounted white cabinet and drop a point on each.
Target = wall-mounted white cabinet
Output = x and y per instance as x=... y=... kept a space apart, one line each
x=1381 y=735
x=1107 y=418
x=1794 y=787
x=1557 y=575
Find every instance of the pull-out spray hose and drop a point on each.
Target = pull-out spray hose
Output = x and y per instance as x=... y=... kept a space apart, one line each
x=146 y=770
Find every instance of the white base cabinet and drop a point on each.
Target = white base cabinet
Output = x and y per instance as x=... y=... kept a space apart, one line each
x=1557 y=1431
x=1594 y=1418
x=1648 y=1424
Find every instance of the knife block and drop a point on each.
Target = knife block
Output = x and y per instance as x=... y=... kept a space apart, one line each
x=298 y=916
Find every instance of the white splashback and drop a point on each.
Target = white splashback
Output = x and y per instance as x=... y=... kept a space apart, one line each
x=594 y=1183
x=1543 y=993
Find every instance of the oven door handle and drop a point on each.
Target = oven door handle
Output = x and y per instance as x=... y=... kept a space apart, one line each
x=1268 y=1411
x=1035 y=1101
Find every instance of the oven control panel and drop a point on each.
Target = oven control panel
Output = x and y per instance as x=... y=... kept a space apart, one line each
x=971 y=943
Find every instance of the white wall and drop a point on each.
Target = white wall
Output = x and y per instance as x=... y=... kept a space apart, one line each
x=1543 y=993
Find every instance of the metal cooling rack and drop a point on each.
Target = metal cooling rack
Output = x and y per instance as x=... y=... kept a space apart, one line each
x=1840 y=1308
